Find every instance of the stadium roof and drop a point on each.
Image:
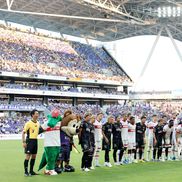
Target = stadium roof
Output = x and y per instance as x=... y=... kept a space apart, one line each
x=103 y=20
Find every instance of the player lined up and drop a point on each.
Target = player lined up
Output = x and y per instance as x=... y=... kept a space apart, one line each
x=128 y=139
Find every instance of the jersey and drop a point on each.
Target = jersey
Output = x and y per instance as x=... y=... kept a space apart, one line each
x=159 y=133
x=86 y=128
x=167 y=131
x=131 y=133
x=107 y=130
x=31 y=128
x=124 y=130
x=150 y=127
x=140 y=131
x=117 y=140
x=98 y=131
x=85 y=136
x=52 y=135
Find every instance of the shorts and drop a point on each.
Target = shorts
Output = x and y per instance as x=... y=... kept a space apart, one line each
x=64 y=153
x=158 y=144
x=140 y=144
x=98 y=145
x=85 y=147
x=150 y=142
x=106 y=146
x=125 y=143
x=131 y=146
x=117 y=145
x=32 y=146
x=174 y=140
x=167 y=143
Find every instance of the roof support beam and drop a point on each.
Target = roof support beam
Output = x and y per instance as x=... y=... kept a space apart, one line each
x=9 y=4
x=151 y=52
x=109 y=6
x=174 y=43
x=64 y=16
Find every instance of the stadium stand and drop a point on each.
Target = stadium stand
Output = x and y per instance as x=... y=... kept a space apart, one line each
x=21 y=51
x=63 y=71
x=15 y=123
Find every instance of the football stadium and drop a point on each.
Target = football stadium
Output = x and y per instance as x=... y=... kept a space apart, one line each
x=69 y=110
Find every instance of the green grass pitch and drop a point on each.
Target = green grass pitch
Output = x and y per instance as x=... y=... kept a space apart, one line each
x=12 y=157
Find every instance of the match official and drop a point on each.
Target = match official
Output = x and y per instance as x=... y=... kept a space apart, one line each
x=30 y=144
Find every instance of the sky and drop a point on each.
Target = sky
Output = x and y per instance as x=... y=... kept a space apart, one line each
x=164 y=71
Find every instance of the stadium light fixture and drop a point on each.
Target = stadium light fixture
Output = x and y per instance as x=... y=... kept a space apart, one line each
x=167 y=12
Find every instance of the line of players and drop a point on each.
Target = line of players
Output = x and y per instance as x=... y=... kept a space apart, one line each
x=128 y=139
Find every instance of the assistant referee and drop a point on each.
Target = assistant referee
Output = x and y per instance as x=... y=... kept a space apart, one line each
x=31 y=130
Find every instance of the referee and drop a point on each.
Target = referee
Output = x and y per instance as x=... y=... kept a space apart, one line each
x=31 y=130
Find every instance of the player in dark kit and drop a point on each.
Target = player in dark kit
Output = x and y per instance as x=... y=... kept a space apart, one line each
x=158 y=137
x=106 y=143
x=140 y=138
x=92 y=141
x=84 y=140
x=117 y=141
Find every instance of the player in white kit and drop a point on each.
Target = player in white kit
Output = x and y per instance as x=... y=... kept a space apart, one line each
x=179 y=139
x=167 y=142
x=98 y=134
x=150 y=139
x=174 y=144
x=124 y=136
x=131 y=139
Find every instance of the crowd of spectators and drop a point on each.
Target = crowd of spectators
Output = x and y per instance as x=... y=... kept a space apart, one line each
x=31 y=86
x=14 y=124
x=21 y=105
x=28 y=53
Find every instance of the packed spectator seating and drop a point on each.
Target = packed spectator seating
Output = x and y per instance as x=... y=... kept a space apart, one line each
x=29 y=53
x=21 y=105
x=61 y=88
x=14 y=124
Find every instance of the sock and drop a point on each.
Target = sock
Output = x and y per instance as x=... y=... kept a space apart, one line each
x=135 y=153
x=154 y=153
x=176 y=154
x=164 y=153
x=129 y=156
x=140 y=154
x=159 y=153
x=167 y=152
x=32 y=162
x=114 y=155
x=125 y=156
x=26 y=165
x=120 y=155
x=148 y=155
x=118 y=152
